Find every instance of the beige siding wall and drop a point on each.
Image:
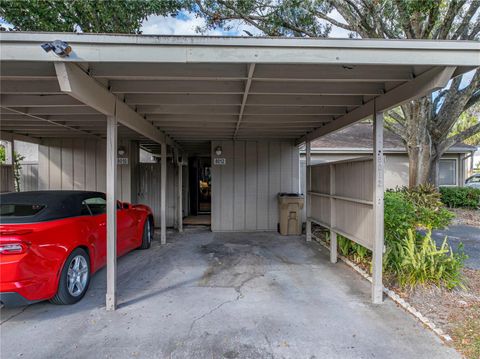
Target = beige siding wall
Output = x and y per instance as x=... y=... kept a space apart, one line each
x=79 y=164
x=7 y=183
x=149 y=190
x=29 y=177
x=244 y=191
x=396 y=167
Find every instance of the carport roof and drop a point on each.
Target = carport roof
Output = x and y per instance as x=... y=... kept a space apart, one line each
x=196 y=89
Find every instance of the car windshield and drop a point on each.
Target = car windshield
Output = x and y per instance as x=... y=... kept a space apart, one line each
x=20 y=210
x=475 y=179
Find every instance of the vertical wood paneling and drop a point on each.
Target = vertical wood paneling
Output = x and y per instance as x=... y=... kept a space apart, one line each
x=67 y=164
x=100 y=166
x=239 y=186
x=7 y=182
x=43 y=167
x=244 y=191
x=274 y=182
x=286 y=178
x=295 y=154
x=227 y=187
x=79 y=169
x=91 y=164
x=251 y=185
x=80 y=164
x=55 y=164
x=263 y=193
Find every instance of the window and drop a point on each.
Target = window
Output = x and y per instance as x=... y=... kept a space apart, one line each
x=447 y=174
x=96 y=205
x=20 y=210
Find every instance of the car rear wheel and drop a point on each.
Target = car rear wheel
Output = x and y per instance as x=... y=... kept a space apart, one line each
x=147 y=236
x=74 y=279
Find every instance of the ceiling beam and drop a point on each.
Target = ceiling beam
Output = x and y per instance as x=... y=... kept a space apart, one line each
x=39 y=101
x=59 y=124
x=182 y=99
x=248 y=84
x=79 y=85
x=173 y=87
x=304 y=100
x=425 y=83
x=11 y=136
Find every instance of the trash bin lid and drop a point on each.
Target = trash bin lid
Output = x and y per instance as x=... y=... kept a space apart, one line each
x=285 y=194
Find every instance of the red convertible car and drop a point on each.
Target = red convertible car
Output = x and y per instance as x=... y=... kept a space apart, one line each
x=51 y=242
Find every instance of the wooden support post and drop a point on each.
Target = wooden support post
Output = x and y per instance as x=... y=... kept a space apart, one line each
x=163 y=194
x=378 y=193
x=333 y=234
x=179 y=195
x=111 y=300
x=308 y=201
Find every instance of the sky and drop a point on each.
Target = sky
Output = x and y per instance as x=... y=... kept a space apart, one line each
x=186 y=23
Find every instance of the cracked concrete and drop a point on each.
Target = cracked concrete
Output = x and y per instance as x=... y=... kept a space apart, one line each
x=205 y=295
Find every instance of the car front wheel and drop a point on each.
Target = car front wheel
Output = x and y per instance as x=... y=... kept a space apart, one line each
x=147 y=236
x=74 y=279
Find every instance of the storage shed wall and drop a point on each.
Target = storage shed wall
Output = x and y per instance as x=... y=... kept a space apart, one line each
x=244 y=190
x=79 y=164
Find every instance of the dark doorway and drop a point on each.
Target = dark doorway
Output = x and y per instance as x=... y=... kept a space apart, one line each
x=200 y=182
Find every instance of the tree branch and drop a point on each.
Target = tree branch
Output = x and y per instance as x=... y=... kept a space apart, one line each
x=453 y=140
x=462 y=30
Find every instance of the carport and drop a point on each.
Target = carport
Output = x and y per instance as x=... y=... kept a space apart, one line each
x=254 y=99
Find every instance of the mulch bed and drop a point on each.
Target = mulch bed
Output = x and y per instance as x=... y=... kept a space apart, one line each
x=468 y=217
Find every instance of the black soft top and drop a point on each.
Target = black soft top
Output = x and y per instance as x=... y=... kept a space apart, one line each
x=58 y=204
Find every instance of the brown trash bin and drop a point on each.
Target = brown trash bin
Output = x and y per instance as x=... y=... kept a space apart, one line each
x=289 y=208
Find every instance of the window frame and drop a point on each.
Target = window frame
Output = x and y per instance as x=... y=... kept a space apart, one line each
x=455 y=160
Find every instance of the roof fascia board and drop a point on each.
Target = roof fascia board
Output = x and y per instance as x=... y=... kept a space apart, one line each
x=183 y=49
x=428 y=81
x=78 y=84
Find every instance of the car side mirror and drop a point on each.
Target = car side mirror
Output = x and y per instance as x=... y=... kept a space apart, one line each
x=126 y=205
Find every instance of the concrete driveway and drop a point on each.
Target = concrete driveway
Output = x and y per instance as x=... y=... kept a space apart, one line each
x=207 y=295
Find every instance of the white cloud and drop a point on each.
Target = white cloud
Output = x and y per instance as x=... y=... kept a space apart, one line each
x=187 y=23
x=184 y=25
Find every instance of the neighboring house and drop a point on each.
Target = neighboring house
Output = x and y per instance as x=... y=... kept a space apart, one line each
x=356 y=141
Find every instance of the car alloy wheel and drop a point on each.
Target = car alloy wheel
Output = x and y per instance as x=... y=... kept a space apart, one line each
x=77 y=276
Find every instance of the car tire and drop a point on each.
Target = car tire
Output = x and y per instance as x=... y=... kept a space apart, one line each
x=74 y=279
x=147 y=235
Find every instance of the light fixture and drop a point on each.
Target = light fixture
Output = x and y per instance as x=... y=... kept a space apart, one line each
x=59 y=47
x=218 y=150
x=121 y=151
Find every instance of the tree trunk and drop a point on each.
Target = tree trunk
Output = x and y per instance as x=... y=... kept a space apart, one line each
x=419 y=158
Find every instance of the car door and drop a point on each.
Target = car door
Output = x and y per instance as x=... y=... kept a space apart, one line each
x=126 y=229
x=96 y=206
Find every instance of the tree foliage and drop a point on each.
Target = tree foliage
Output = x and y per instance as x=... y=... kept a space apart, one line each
x=425 y=124
x=112 y=16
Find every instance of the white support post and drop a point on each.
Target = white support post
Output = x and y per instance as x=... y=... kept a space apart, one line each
x=308 y=179
x=163 y=194
x=378 y=193
x=111 y=300
x=179 y=196
x=333 y=234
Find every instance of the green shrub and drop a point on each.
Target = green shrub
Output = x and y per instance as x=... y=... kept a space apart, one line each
x=460 y=197
x=412 y=258
x=417 y=260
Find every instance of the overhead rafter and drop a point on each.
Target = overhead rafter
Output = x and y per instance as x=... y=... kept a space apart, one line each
x=430 y=80
x=75 y=82
x=9 y=136
x=248 y=84
x=83 y=132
